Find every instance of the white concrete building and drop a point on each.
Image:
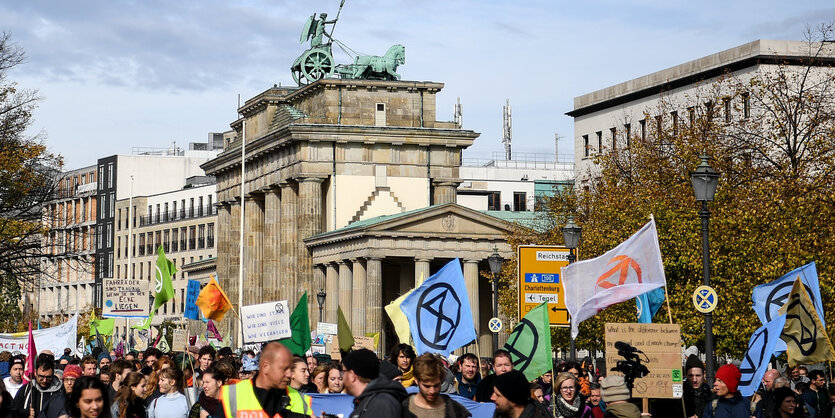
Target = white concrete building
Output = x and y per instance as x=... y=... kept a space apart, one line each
x=608 y=117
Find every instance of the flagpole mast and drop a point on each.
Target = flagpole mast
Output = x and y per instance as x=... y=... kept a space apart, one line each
x=241 y=245
x=130 y=240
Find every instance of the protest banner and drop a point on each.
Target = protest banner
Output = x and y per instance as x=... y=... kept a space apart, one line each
x=661 y=347
x=326 y=328
x=265 y=322
x=178 y=342
x=192 y=292
x=54 y=339
x=124 y=298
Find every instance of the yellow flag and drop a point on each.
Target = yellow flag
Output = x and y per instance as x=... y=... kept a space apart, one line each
x=398 y=319
x=804 y=333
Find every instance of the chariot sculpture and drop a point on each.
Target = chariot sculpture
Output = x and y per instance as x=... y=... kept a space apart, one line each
x=317 y=61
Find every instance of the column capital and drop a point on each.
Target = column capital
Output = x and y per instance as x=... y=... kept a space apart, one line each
x=304 y=178
x=472 y=260
x=424 y=259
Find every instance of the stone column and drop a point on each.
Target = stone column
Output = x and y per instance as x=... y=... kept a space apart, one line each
x=272 y=289
x=374 y=295
x=230 y=282
x=287 y=244
x=358 y=308
x=346 y=290
x=223 y=237
x=254 y=251
x=332 y=289
x=309 y=223
x=421 y=270
x=444 y=192
x=471 y=281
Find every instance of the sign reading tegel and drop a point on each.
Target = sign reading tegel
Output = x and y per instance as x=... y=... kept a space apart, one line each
x=124 y=298
x=326 y=328
x=266 y=322
x=539 y=281
x=192 y=292
x=178 y=343
x=661 y=343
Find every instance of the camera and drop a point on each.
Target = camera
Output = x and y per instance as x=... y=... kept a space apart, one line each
x=630 y=366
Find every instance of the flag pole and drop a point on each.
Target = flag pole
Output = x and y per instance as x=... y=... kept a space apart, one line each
x=241 y=245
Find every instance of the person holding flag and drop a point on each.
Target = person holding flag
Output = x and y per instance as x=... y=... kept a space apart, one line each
x=37 y=393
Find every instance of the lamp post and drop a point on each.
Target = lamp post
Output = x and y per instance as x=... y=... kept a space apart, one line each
x=320 y=297
x=495 y=261
x=704 y=181
x=571 y=234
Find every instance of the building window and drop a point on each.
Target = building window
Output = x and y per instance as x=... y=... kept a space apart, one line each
x=659 y=125
x=110 y=175
x=627 y=133
x=709 y=110
x=586 y=150
x=165 y=213
x=691 y=114
x=174 y=246
x=614 y=132
x=519 y=202
x=674 y=118
x=201 y=237
x=643 y=123
x=726 y=104
x=200 y=206
x=119 y=220
x=141 y=245
x=210 y=235
x=101 y=176
x=746 y=105
x=166 y=240
x=599 y=141
x=183 y=238
x=118 y=247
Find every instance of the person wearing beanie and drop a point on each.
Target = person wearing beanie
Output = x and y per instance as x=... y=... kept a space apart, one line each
x=728 y=403
x=697 y=393
x=512 y=397
x=374 y=395
x=15 y=379
x=616 y=395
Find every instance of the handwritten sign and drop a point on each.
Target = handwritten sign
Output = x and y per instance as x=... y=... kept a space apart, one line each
x=363 y=342
x=179 y=340
x=266 y=322
x=661 y=343
x=326 y=328
x=125 y=298
x=192 y=291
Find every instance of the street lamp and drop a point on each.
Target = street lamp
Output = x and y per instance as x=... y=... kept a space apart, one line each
x=571 y=234
x=704 y=180
x=495 y=261
x=320 y=297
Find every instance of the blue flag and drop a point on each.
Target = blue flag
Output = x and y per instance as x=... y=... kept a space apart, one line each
x=192 y=291
x=770 y=297
x=439 y=313
x=648 y=304
x=760 y=349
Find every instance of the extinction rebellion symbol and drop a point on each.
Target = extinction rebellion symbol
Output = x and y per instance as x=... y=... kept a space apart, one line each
x=438 y=316
x=521 y=352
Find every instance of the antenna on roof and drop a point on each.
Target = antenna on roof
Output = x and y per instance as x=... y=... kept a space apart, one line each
x=507 y=128
x=557 y=147
x=458 y=113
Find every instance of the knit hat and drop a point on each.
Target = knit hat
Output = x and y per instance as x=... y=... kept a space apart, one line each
x=72 y=370
x=103 y=355
x=613 y=388
x=693 y=361
x=363 y=362
x=729 y=375
x=780 y=394
x=16 y=360
x=514 y=386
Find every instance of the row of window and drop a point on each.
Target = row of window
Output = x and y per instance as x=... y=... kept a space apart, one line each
x=145 y=270
x=494 y=201
x=167 y=213
x=195 y=237
x=709 y=109
x=108 y=176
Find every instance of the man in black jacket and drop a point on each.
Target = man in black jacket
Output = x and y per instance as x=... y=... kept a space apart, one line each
x=512 y=397
x=429 y=401
x=374 y=395
x=697 y=393
x=31 y=399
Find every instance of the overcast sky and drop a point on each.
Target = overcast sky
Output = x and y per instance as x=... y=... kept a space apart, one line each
x=121 y=74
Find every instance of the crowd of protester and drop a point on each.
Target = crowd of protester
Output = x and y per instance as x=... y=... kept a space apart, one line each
x=273 y=382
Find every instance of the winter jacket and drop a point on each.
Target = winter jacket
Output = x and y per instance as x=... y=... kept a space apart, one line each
x=468 y=390
x=696 y=400
x=56 y=407
x=452 y=409
x=533 y=409
x=381 y=398
x=733 y=407
x=622 y=410
x=33 y=396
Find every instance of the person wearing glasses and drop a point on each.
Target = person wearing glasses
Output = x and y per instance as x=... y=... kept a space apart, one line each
x=37 y=393
x=569 y=403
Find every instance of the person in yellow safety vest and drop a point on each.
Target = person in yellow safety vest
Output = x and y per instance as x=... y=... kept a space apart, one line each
x=267 y=395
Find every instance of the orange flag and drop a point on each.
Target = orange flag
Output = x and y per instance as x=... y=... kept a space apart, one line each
x=213 y=301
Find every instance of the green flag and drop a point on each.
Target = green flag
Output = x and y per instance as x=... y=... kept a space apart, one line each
x=343 y=331
x=163 y=288
x=299 y=342
x=530 y=343
x=145 y=323
x=103 y=326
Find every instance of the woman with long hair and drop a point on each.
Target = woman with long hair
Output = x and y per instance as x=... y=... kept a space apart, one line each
x=208 y=404
x=319 y=377
x=569 y=403
x=171 y=403
x=130 y=399
x=334 y=379
x=152 y=382
x=89 y=398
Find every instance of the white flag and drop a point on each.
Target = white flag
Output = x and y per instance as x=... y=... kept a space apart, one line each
x=632 y=268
